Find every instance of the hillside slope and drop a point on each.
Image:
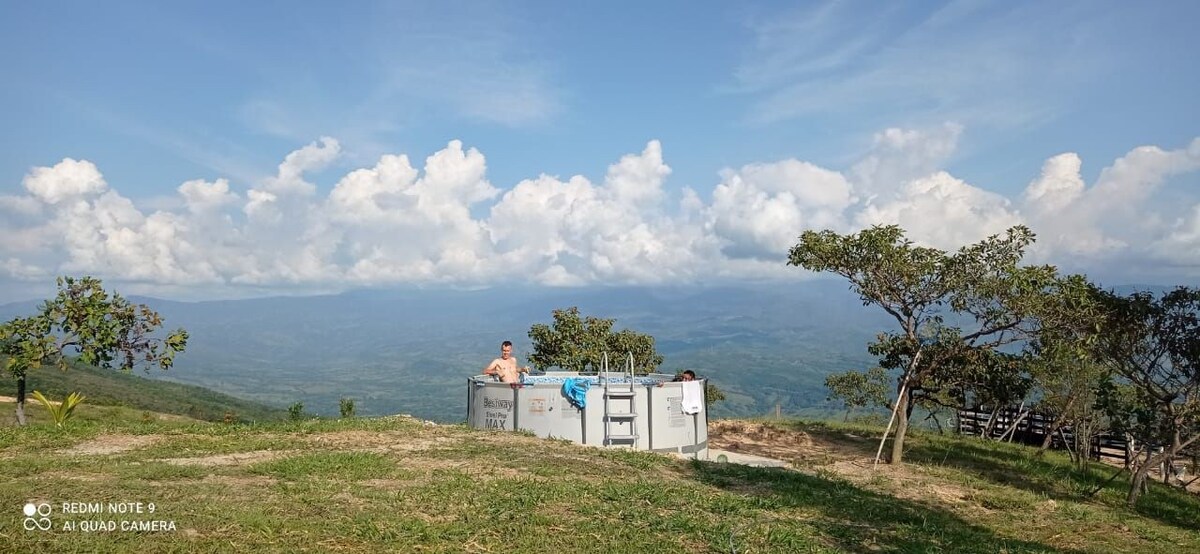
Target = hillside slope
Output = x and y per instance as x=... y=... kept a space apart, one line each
x=134 y=390
x=399 y=484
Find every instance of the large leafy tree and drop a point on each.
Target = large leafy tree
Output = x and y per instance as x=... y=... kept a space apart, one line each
x=982 y=283
x=579 y=343
x=1151 y=344
x=100 y=328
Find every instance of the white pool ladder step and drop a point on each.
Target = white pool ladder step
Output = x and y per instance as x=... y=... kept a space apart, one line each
x=614 y=396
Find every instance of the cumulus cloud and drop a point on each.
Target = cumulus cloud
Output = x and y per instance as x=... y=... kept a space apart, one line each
x=313 y=157
x=201 y=196
x=942 y=211
x=574 y=231
x=901 y=155
x=1118 y=213
x=67 y=180
x=758 y=210
x=444 y=221
x=1059 y=185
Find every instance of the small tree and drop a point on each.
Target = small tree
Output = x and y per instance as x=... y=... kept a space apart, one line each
x=857 y=389
x=1066 y=383
x=346 y=407
x=1152 y=347
x=103 y=329
x=579 y=344
x=713 y=394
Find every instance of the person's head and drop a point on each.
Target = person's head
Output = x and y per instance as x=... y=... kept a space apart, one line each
x=506 y=349
x=688 y=375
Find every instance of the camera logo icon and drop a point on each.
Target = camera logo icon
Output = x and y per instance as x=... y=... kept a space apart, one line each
x=37 y=516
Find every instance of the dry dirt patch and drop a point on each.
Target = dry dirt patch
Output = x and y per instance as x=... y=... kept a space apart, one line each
x=72 y=476
x=239 y=481
x=377 y=441
x=762 y=440
x=235 y=459
x=844 y=456
x=110 y=444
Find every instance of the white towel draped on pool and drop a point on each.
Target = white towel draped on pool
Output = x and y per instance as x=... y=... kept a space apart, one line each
x=693 y=397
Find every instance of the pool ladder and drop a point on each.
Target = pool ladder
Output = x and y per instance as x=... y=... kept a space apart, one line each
x=614 y=396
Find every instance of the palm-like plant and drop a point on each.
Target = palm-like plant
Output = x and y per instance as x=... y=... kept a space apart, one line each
x=61 y=412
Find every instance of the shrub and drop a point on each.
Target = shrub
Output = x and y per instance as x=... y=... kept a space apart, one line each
x=62 y=412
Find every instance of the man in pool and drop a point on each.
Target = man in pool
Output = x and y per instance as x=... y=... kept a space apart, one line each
x=505 y=367
x=687 y=375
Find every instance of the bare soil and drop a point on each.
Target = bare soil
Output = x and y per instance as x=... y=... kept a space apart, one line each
x=110 y=444
x=235 y=459
x=846 y=455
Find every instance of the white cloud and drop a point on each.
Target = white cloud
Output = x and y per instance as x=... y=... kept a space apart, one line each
x=313 y=157
x=401 y=226
x=398 y=223
x=759 y=210
x=1117 y=213
x=201 y=196
x=1059 y=185
x=20 y=205
x=67 y=180
x=575 y=231
x=1182 y=243
x=942 y=211
x=18 y=270
x=901 y=155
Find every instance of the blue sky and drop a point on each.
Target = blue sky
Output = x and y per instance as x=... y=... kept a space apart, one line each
x=771 y=117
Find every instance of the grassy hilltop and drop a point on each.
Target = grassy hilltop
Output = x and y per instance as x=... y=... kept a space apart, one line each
x=402 y=485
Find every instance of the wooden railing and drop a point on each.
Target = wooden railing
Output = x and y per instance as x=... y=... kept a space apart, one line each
x=1031 y=428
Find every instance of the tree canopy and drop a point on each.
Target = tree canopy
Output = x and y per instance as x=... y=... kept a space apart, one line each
x=1151 y=346
x=579 y=343
x=100 y=328
x=983 y=284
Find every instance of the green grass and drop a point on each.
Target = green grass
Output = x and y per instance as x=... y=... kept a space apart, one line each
x=350 y=466
x=395 y=485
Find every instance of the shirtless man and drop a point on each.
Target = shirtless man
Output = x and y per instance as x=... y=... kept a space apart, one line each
x=505 y=367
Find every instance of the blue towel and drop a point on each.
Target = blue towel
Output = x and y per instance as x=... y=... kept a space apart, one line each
x=576 y=391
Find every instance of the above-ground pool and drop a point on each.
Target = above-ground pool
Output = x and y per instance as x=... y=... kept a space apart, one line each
x=647 y=414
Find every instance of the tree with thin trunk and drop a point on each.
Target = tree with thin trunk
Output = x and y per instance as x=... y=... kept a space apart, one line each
x=1066 y=380
x=1151 y=346
x=982 y=283
x=84 y=320
x=858 y=389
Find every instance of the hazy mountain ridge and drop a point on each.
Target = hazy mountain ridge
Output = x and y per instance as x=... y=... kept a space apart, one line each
x=410 y=351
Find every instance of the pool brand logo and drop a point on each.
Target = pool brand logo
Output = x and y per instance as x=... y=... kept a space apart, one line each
x=42 y=520
x=490 y=403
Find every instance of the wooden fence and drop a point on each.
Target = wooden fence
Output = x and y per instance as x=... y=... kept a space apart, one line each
x=1031 y=429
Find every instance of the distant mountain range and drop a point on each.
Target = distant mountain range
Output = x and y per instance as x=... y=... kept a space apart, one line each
x=410 y=351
